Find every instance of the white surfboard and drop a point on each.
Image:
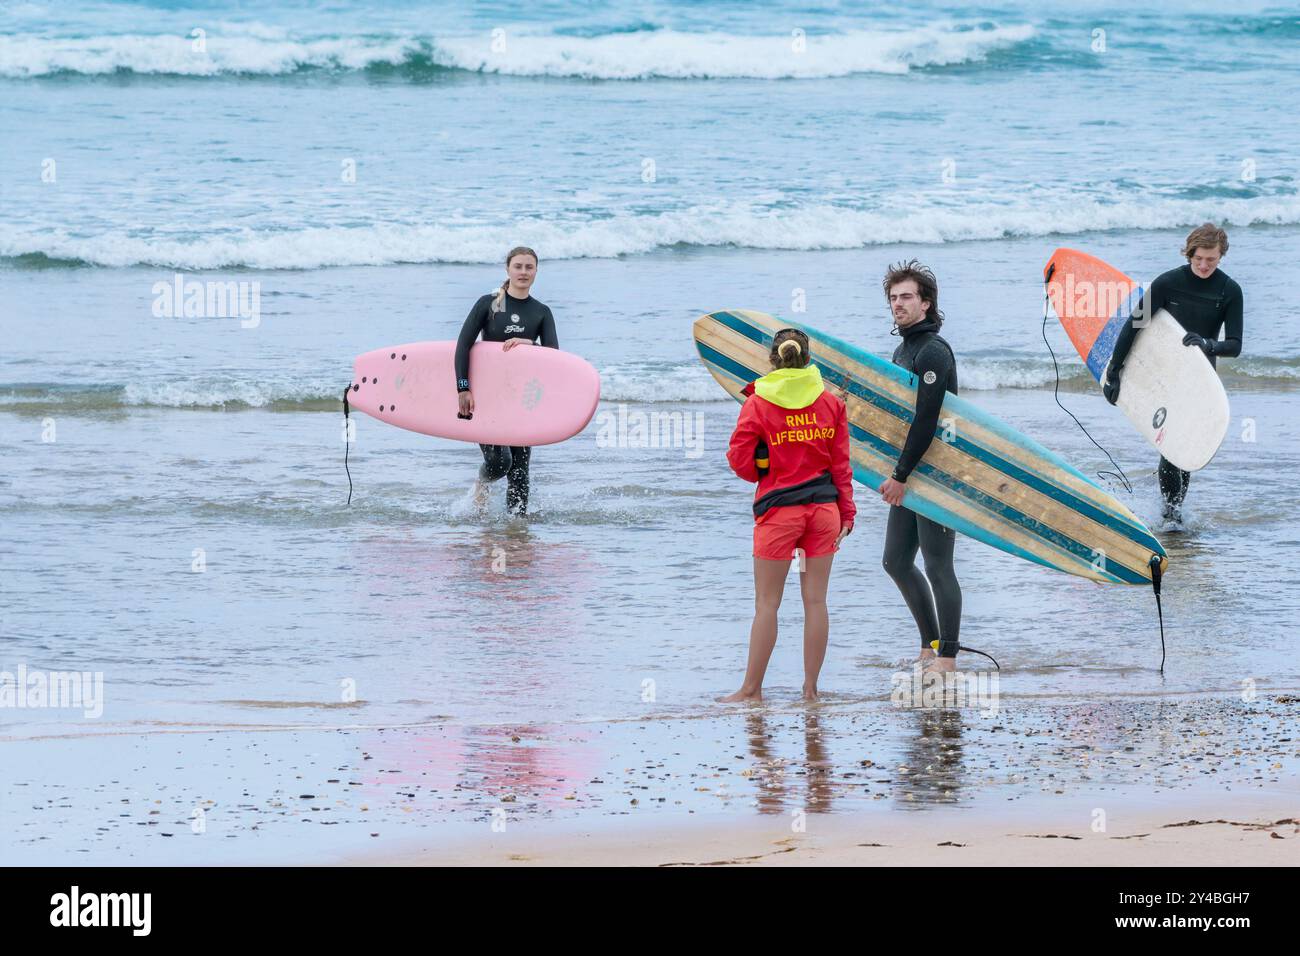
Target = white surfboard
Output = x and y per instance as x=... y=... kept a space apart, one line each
x=1172 y=395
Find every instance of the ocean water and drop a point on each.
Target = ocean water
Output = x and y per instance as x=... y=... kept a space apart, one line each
x=174 y=495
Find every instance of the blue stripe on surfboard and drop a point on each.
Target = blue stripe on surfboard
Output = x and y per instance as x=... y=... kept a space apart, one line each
x=1067 y=545
x=1032 y=525
x=1103 y=346
x=1116 y=522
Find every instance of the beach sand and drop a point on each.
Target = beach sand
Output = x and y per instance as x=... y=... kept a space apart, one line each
x=1116 y=781
x=1257 y=829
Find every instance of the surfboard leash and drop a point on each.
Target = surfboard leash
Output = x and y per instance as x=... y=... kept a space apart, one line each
x=1056 y=392
x=972 y=650
x=347 y=444
x=1154 y=565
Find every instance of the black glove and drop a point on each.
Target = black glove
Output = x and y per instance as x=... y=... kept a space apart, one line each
x=1110 y=387
x=1204 y=344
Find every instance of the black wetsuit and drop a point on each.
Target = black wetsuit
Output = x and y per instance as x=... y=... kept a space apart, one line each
x=519 y=318
x=1202 y=306
x=925 y=354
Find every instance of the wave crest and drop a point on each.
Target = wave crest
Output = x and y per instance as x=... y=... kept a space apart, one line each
x=638 y=55
x=737 y=225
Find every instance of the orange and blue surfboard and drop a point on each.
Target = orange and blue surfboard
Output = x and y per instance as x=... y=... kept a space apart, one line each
x=1092 y=300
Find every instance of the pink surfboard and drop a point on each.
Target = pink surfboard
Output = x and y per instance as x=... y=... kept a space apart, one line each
x=528 y=396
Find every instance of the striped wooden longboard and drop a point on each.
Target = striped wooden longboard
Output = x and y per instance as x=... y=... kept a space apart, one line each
x=980 y=476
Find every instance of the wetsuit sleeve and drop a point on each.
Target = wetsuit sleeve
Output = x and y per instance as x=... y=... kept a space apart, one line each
x=842 y=467
x=1232 y=325
x=547 y=331
x=744 y=441
x=933 y=368
x=1158 y=295
x=468 y=333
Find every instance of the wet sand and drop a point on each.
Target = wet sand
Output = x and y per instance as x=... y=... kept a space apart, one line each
x=806 y=784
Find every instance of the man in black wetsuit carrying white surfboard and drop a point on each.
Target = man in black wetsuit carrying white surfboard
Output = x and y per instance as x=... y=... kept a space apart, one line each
x=934 y=598
x=1204 y=300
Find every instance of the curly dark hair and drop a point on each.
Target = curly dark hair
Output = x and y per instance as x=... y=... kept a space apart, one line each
x=926 y=284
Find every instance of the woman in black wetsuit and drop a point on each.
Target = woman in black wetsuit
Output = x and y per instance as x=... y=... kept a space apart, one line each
x=512 y=316
x=934 y=598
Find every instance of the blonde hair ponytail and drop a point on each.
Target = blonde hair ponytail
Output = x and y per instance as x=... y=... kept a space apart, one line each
x=499 y=303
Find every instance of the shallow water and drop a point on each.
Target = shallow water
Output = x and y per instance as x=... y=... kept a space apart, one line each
x=633 y=565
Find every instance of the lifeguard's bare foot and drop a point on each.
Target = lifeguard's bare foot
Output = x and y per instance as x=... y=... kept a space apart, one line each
x=810 y=693
x=741 y=695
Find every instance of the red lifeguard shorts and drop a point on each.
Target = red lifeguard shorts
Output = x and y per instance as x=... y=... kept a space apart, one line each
x=812 y=527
